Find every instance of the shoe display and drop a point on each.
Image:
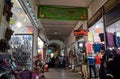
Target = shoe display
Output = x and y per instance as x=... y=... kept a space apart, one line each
x=22 y=50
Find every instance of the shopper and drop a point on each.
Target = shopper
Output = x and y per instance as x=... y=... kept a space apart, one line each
x=56 y=63
x=103 y=69
x=97 y=62
x=84 y=66
x=113 y=68
x=91 y=62
x=48 y=60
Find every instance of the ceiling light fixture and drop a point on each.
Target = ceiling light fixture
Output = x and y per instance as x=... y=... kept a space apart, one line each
x=32 y=14
x=19 y=24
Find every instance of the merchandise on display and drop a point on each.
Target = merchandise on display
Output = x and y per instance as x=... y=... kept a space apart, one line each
x=7 y=9
x=101 y=35
x=90 y=36
x=96 y=47
x=88 y=46
x=7 y=65
x=22 y=50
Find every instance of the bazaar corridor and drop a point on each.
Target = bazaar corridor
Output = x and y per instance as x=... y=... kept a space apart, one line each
x=62 y=74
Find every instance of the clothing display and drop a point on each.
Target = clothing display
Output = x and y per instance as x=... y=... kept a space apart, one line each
x=102 y=47
x=90 y=36
x=117 y=39
x=22 y=59
x=101 y=35
x=22 y=50
x=96 y=47
x=110 y=39
x=88 y=47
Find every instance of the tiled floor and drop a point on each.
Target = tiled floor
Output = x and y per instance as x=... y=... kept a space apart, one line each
x=62 y=74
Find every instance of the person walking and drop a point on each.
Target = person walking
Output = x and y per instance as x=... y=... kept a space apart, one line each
x=91 y=62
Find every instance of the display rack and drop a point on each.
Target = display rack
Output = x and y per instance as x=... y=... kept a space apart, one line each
x=21 y=46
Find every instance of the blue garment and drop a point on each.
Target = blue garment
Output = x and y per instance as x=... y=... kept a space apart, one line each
x=117 y=39
x=91 y=60
x=96 y=47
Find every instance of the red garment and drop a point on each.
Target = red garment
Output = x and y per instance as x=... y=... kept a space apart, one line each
x=97 y=59
x=88 y=48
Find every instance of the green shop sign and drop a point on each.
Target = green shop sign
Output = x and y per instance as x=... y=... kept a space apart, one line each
x=62 y=13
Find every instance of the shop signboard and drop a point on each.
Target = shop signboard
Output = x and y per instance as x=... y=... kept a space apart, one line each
x=62 y=12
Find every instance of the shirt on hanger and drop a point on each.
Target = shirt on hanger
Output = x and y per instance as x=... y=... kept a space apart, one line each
x=117 y=39
x=96 y=47
x=88 y=48
x=90 y=36
x=110 y=39
x=101 y=35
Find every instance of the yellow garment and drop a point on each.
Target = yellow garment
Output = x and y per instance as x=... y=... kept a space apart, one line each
x=90 y=36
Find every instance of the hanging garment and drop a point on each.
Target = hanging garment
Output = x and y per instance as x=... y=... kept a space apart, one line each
x=110 y=39
x=102 y=47
x=117 y=39
x=101 y=35
x=96 y=47
x=90 y=36
x=88 y=48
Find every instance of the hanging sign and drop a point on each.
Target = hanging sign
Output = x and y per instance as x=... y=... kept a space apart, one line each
x=62 y=12
x=80 y=32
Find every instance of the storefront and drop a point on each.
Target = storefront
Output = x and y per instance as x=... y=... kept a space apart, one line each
x=96 y=38
x=95 y=44
x=112 y=27
x=21 y=42
x=41 y=52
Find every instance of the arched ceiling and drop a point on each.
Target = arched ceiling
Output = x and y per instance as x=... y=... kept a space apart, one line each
x=57 y=42
x=54 y=47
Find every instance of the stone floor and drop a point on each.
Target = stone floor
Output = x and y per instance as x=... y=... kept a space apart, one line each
x=62 y=74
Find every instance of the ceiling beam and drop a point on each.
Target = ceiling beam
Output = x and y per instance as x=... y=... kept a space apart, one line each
x=59 y=24
x=62 y=29
x=58 y=35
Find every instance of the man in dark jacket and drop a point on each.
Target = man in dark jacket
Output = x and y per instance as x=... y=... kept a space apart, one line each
x=114 y=68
